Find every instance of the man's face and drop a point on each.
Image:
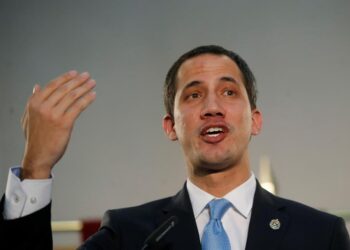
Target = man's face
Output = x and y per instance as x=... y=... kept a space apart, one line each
x=213 y=120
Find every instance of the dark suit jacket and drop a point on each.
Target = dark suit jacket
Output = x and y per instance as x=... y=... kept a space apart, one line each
x=301 y=227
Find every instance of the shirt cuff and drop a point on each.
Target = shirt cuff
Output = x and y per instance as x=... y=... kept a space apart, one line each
x=25 y=197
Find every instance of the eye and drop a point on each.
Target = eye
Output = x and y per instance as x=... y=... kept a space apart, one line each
x=229 y=92
x=193 y=95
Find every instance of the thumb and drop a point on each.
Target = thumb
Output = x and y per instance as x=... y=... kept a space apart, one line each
x=36 y=88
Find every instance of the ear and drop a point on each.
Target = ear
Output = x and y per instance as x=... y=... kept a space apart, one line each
x=257 y=121
x=168 y=127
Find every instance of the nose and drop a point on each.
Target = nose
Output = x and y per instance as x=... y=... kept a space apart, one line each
x=212 y=107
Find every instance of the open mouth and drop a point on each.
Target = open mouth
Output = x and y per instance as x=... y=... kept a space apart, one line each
x=213 y=132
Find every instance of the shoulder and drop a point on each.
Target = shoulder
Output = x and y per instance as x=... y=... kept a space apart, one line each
x=139 y=210
x=304 y=218
x=141 y=216
x=294 y=209
x=300 y=226
x=304 y=212
x=315 y=224
x=126 y=228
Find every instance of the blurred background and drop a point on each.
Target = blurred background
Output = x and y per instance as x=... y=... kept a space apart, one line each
x=118 y=155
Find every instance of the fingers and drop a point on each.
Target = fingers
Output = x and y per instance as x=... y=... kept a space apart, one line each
x=70 y=94
x=36 y=88
x=48 y=120
x=66 y=88
x=70 y=91
x=80 y=105
x=62 y=92
x=24 y=119
x=73 y=96
x=57 y=82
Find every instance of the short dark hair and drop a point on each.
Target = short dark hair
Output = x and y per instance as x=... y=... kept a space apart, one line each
x=171 y=77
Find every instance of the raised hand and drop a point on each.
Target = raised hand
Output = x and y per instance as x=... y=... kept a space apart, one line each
x=49 y=118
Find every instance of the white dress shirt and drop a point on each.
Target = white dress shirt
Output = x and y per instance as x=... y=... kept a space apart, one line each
x=25 y=197
x=236 y=219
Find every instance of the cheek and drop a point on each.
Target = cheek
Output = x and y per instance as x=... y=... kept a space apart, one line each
x=180 y=125
x=247 y=123
x=184 y=125
x=242 y=117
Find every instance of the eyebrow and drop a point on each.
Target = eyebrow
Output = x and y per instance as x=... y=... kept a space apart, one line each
x=229 y=79
x=224 y=79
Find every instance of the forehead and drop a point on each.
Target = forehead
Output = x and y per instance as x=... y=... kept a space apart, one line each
x=208 y=65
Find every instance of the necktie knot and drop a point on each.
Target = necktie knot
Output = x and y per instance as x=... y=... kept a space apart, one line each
x=217 y=208
x=214 y=235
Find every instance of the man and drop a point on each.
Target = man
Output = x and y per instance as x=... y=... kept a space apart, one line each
x=210 y=99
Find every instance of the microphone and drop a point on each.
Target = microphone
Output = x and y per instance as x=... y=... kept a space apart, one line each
x=156 y=236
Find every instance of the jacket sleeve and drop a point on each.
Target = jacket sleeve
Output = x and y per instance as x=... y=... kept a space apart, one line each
x=340 y=237
x=29 y=232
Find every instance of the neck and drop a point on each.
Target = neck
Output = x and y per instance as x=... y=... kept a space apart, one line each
x=222 y=182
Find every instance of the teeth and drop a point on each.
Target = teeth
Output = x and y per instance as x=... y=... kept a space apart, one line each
x=213 y=135
x=214 y=130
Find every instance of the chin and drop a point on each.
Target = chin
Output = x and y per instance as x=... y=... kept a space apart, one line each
x=213 y=165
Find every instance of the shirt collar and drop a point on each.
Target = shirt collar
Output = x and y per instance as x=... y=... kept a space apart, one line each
x=241 y=197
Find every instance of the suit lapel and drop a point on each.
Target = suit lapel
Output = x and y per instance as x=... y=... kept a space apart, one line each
x=267 y=226
x=268 y=222
x=185 y=234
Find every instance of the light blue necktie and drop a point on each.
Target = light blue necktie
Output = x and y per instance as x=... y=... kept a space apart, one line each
x=214 y=235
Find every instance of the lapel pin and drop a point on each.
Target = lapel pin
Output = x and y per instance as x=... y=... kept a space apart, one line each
x=275 y=224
